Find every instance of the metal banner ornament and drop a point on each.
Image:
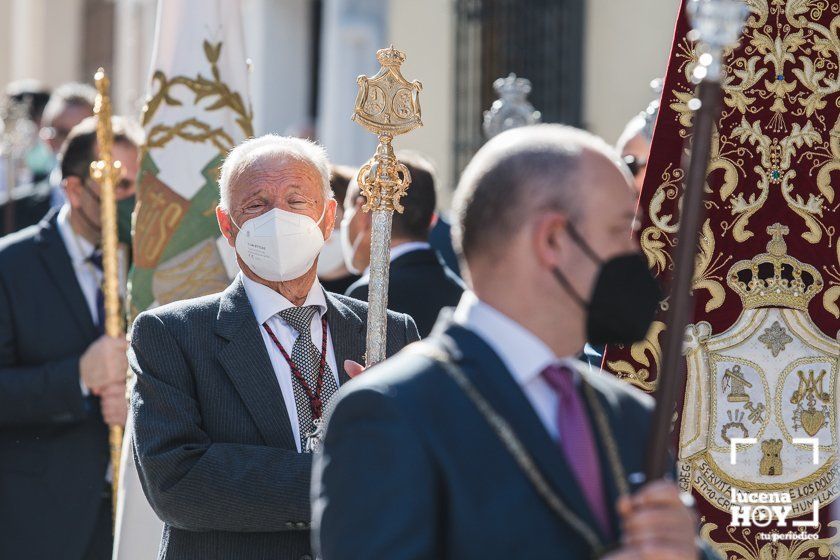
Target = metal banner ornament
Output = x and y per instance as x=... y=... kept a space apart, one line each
x=17 y=134
x=512 y=109
x=106 y=172
x=387 y=105
x=716 y=26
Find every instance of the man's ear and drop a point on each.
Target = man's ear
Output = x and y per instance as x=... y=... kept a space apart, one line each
x=548 y=238
x=329 y=218
x=225 y=225
x=73 y=190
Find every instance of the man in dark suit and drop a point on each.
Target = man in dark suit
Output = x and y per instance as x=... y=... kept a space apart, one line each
x=62 y=381
x=490 y=440
x=231 y=388
x=420 y=284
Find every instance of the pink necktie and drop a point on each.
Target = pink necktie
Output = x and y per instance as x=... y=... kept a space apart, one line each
x=577 y=441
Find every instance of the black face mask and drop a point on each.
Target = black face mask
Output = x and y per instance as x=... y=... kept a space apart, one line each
x=624 y=301
x=125 y=208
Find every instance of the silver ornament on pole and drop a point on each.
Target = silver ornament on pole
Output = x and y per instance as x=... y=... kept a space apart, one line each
x=512 y=109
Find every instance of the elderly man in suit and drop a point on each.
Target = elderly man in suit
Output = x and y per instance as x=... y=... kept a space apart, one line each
x=62 y=380
x=489 y=439
x=231 y=387
x=420 y=284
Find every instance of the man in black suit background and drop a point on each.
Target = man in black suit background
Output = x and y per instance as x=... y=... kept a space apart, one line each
x=62 y=381
x=490 y=439
x=231 y=387
x=420 y=284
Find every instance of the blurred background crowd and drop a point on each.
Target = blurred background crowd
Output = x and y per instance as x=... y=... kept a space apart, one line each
x=590 y=63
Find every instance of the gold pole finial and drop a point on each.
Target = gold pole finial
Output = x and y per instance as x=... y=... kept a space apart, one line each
x=106 y=172
x=387 y=105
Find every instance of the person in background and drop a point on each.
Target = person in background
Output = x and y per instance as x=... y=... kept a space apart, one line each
x=69 y=105
x=420 y=284
x=634 y=142
x=62 y=380
x=39 y=159
x=440 y=238
x=332 y=271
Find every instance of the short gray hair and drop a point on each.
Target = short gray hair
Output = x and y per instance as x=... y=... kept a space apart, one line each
x=515 y=174
x=272 y=147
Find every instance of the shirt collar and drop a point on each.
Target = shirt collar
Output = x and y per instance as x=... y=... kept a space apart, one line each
x=77 y=246
x=267 y=303
x=403 y=249
x=522 y=352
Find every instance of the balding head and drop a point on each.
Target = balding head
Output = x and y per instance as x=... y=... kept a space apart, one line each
x=520 y=172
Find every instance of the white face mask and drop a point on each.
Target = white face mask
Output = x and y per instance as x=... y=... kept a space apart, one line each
x=332 y=257
x=348 y=247
x=279 y=246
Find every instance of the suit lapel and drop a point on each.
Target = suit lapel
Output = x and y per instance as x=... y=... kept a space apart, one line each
x=347 y=331
x=496 y=384
x=248 y=365
x=56 y=260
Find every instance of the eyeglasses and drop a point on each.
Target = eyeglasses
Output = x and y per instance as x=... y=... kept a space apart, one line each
x=636 y=165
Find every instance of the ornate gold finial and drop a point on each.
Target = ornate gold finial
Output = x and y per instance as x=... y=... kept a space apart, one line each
x=390 y=57
x=387 y=105
x=104 y=132
x=775 y=279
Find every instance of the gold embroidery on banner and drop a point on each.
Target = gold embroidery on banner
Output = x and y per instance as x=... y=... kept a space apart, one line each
x=831 y=297
x=646 y=353
x=771 y=462
x=204 y=89
x=738 y=547
x=791 y=64
x=707 y=265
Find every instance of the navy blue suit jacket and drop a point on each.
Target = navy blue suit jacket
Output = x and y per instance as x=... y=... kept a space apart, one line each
x=53 y=449
x=407 y=447
x=420 y=285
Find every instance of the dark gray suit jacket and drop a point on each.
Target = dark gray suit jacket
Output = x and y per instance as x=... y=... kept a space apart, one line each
x=213 y=441
x=408 y=448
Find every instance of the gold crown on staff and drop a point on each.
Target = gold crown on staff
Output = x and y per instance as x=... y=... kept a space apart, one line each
x=387 y=105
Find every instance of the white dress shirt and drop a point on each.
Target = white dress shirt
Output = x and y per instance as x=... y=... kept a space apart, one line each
x=267 y=304
x=524 y=355
x=79 y=249
x=88 y=276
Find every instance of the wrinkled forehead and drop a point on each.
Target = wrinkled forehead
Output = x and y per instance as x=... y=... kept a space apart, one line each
x=273 y=174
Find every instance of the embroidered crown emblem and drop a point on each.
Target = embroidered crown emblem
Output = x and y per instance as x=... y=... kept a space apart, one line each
x=774 y=278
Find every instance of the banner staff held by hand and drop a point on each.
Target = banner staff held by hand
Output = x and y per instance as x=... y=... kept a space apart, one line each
x=387 y=105
x=106 y=172
x=716 y=27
